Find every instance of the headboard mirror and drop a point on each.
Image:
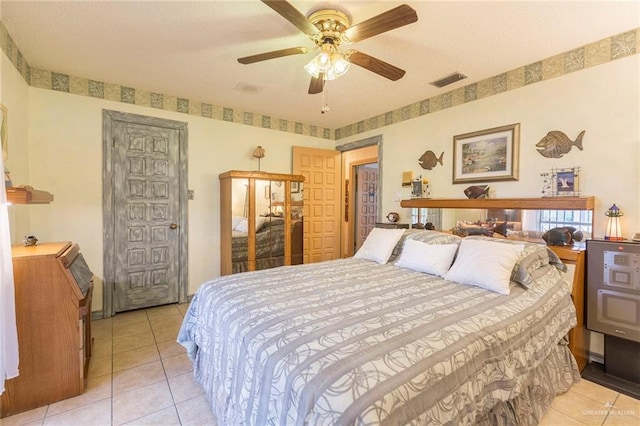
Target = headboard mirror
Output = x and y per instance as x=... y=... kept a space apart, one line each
x=517 y=218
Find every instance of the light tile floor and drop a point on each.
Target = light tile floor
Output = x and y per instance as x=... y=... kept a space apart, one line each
x=139 y=375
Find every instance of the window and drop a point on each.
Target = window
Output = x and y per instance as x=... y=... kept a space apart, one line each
x=579 y=219
x=424 y=215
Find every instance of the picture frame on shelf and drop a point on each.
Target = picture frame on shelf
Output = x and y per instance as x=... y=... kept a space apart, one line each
x=295 y=187
x=561 y=182
x=487 y=155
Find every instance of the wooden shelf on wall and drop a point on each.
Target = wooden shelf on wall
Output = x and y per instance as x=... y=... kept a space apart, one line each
x=547 y=203
x=18 y=195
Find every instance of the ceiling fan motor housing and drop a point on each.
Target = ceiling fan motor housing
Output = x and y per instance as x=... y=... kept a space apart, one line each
x=332 y=24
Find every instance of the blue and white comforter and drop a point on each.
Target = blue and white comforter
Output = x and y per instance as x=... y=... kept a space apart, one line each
x=351 y=341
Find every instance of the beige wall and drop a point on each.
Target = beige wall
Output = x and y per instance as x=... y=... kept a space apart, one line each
x=603 y=100
x=14 y=94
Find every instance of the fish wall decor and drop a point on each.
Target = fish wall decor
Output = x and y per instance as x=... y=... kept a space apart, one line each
x=555 y=144
x=428 y=160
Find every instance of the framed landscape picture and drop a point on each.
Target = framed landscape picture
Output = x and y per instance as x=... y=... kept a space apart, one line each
x=487 y=155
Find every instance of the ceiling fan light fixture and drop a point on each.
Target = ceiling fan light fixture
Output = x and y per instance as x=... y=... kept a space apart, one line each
x=329 y=62
x=339 y=66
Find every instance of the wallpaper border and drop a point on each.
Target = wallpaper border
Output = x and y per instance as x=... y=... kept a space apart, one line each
x=593 y=54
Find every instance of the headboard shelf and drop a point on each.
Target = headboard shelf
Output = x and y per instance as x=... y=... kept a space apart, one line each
x=547 y=203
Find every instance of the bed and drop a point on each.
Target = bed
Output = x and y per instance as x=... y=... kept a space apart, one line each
x=387 y=338
x=269 y=244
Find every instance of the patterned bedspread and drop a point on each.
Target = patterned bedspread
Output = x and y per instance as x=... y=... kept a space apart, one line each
x=269 y=242
x=353 y=342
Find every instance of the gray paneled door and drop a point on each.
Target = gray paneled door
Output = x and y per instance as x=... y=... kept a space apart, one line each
x=146 y=208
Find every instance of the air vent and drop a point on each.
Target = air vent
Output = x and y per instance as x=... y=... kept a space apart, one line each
x=248 y=88
x=450 y=79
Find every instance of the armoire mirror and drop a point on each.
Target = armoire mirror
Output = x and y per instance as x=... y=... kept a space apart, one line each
x=261 y=220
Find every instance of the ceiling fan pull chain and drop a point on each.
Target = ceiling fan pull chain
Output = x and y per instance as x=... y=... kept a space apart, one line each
x=325 y=102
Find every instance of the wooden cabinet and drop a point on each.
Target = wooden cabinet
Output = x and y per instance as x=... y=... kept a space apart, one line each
x=28 y=196
x=260 y=220
x=53 y=288
x=578 y=336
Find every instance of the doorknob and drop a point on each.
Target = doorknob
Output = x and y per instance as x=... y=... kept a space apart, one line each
x=173 y=226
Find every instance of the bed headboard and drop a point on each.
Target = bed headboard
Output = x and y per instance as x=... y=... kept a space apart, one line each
x=546 y=203
x=514 y=205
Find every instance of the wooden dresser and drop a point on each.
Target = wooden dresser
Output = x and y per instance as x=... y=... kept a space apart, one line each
x=53 y=288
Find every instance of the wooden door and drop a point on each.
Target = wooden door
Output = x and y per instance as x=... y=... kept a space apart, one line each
x=148 y=230
x=321 y=229
x=366 y=201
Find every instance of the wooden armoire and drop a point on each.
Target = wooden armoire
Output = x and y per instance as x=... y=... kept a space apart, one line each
x=260 y=220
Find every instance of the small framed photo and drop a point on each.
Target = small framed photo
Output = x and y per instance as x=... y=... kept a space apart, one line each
x=295 y=187
x=563 y=182
x=487 y=155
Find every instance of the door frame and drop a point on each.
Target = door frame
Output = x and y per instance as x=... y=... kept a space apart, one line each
x=347 y=228
x=356 y=200
x=108 y=200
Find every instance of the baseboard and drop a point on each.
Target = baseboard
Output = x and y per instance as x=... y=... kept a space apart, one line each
x=97 y=315
x=594 y=372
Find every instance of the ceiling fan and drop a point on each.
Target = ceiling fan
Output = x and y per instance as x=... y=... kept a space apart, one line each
x=328 y=29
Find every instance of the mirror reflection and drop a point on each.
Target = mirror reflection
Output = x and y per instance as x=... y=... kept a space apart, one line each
x=502 y=223
x=266 y=245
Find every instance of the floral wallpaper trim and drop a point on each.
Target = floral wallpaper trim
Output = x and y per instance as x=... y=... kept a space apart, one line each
x=596 y=53
x=14 y=54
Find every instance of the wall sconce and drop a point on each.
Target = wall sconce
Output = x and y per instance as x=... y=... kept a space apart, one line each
x=614 y=231
x=259 y=153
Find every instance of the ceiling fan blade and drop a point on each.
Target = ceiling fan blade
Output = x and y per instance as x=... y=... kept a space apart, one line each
x=386 y=21
x=291 y=14
x=375 y=65
x=272 y=55
x=316 y=85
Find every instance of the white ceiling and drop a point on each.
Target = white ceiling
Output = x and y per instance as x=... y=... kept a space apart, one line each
x=189 y=48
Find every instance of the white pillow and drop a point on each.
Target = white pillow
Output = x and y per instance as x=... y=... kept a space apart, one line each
x=379 y=244
x=235 y=221
x=260 y=221
x=242 y=226
x=433 y=259
x=485 y=264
